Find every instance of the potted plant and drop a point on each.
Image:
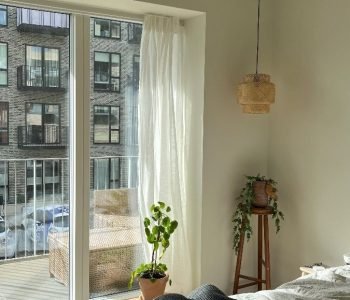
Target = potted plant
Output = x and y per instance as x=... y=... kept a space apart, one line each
x=152 y=276
x=259 y=192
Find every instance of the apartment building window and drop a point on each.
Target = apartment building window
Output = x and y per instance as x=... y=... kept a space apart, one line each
x=107 y=28
x=107 y=71
x=43 y=179
x=3 y=64
x=134 y=33
x=106 y=124
x=3 y=15
x=136 y=71
x=4 y=123
x=42 y=123
x=4 y=181
x=42 y=67
x=106 y=173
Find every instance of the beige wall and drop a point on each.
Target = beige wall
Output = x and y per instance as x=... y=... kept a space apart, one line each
x=310 y=132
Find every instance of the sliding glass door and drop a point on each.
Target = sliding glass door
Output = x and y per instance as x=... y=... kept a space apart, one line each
x=115 y=233
x=35 y=159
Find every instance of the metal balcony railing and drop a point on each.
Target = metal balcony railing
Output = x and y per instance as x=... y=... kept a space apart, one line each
x=46 y=136
x=36 y=201
x=37 y=21
x=39 y=78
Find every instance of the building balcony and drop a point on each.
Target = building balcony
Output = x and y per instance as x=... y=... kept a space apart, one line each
x=47 y=136
x=39 y=78
x=36 y=21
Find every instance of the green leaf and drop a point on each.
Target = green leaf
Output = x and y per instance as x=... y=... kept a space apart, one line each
x=168 y=209
x=166 y=221
x=147 y=222
x=161 y=204
x=147 y=232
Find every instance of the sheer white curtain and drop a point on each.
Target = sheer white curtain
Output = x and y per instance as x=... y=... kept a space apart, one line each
x=165 y=132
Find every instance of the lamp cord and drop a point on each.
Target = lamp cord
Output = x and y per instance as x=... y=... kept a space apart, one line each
x=257 y=41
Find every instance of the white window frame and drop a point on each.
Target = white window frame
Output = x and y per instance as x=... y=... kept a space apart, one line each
x=79 y=147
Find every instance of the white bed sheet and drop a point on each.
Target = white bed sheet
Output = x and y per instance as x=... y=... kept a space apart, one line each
x=332 y=283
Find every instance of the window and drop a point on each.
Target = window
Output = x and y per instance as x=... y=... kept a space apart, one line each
x=43 y=180
x=3 y=64
x=106 y=124
x=3 y=15
x=4 y=182
x=107 y=28
x=4 y=125
x=134 y=33
x=107 y=71
x=42 y=123
x=136 y=71
x=42 y=67
x=106 y=173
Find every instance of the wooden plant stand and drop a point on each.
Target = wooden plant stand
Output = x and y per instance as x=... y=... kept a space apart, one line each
x=263 y=229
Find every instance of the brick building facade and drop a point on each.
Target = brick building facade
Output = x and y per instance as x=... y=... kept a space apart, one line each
x=35 y=101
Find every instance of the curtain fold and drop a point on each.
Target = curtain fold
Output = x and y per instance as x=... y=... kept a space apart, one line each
x=165 y=127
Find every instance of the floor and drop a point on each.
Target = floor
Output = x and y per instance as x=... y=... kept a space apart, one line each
x=30 y=280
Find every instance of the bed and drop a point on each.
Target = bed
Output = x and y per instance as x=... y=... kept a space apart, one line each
x=332 y=283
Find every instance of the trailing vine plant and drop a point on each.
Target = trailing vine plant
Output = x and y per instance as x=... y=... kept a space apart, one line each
x=242 y=216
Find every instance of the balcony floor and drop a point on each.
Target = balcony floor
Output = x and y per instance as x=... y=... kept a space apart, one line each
x=30 y=280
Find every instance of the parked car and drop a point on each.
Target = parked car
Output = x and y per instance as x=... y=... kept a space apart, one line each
x=7 y=240
x=38 y=223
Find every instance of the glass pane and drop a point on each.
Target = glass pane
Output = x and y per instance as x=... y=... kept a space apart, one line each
x=3 y=123
x=51 y=123
x=114 y=220
x=3 y=56
x=33 y=72
x=115 y=32
x=102 y=28
x=101 y=122
x=114 y=117
x=51 y=67
x=101 y=179
x=3 y=15
x=115 y=84
x=102 y=68
x=3 y=77
x=34 y=166
x=115 y=65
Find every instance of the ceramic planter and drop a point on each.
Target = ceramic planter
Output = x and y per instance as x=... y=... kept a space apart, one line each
x=151 y=290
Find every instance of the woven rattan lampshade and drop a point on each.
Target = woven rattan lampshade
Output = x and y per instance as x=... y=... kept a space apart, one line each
x=256 y=93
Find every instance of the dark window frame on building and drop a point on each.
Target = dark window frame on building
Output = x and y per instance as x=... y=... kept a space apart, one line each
x=7 y=65
x=119 y=32
x=42 y=120
x=110 y=77
x=111 y=182
x=43 y=176
x=5 y=9
x=132 y=37
x=43 y=80
x=110 y=130
x=7 y=123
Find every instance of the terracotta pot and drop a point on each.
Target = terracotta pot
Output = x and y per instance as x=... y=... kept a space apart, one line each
x=151 y=290
x=261 y=196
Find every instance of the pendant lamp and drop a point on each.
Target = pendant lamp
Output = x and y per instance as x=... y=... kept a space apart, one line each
x=256 y=92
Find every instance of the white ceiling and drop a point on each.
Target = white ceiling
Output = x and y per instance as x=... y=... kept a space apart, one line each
x=105 y=7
